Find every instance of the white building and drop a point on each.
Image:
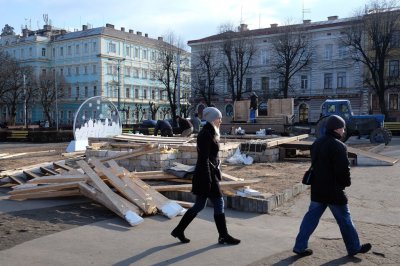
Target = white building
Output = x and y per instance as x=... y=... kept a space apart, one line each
x=100 y=61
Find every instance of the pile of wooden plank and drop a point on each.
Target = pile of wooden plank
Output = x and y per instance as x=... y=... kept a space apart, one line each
x=104 y=181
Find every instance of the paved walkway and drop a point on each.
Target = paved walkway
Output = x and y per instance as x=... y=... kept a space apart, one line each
x=266 y=239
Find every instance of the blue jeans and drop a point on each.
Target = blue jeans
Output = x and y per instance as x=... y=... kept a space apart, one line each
x=201 y=202
x=343 y=218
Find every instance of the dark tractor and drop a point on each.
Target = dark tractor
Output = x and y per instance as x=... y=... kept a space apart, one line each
x=371 y=126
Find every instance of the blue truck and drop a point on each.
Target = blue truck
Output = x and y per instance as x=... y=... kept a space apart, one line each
x=371 y=126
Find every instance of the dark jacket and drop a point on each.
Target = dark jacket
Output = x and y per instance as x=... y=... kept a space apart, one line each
x=331 y=170
x=207 y=174
x=164 y=127
x=184 y=124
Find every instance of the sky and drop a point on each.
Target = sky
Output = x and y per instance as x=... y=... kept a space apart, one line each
x=187 y=19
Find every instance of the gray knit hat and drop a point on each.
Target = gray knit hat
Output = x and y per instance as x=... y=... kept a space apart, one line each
x=210 y=114
x=334 y=122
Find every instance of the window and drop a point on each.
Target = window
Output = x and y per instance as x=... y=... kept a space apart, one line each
x=144 y=54
x=86 y=70
x=375 y=102
x=394 y=68
x=395 y=41
x=94 y=90
x=127 y=93
x=94 y=47
x=61 y=51
x=136 y=73
x=249 y=84
x=265 y=84
x=304 y=82
x=94 y=69
x=69 y=92
x=30 y=51
x=341 y=80
x=393 y=101
x=86 y=92
x=69 y=50
x=109 y=69
x=43 y=51
x=128 y=51
x=77 y=71
x=86 y=48
x=136 y=93
x=77 y=49
x=136 y=52
x=128 y=71
x=62 y=71
x=22 y=53
x=342 y=51
x=77 y=92
x=112 y=47
x=264 y=57
x=281 y=82
x=153 y=94
x=328 y=81
x=153 y=56
x=328 y=51
x=69 y=71
x=144 y=74
x=144 y=93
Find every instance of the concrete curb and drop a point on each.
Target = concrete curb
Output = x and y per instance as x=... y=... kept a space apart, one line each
x=247 y=204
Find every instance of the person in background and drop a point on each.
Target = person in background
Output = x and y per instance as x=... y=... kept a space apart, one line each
x=331 y=177
x=253 y=107
x=164 y=127
x=196 y=122
x=185 y=126
x=205 y=182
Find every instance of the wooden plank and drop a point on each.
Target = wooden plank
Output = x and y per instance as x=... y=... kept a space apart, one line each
x=30 y=174
x=19 y=171
x=63 y=166
x=185 y=204
x=228 y=177
x=223 y=184
x=52 y=187
x=129 y=192
x=47 y=194
x=379 y=157
x=18 y=179
x=98 y=196
x=48 y=171
x=113 y=200
x=60 y=178
x=270 y=144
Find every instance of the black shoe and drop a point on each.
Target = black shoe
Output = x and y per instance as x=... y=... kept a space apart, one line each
x=306 y=252
x=180 y=236
x=364 y=249
x=228 y=240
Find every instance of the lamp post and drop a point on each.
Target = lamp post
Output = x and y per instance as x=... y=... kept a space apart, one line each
x=25 y=107
x=119 y=60
x=56 y=92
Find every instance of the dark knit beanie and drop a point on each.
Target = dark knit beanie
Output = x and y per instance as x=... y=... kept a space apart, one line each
x=334 y=122
x=211 y=114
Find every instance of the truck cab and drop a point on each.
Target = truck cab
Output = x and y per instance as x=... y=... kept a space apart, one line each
x=337 y=107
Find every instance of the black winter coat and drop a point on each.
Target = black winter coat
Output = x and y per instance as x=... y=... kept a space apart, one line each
x=207 y=174
x=331 y=170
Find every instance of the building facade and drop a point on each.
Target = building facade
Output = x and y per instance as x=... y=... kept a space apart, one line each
x=331 y=72
x=117 y=64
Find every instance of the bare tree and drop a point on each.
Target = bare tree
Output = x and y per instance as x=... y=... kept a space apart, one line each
x=371 y=38
x=137 y=111
x=238 y=50
x=7 y=30
x=165 y=111
x=206 y=69
x=153 y=107
x=171 y=57
x=292 y=51
x=50 y=89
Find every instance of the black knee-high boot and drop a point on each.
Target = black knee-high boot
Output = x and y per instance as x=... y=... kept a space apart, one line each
x=224 y=237
x=185 y=221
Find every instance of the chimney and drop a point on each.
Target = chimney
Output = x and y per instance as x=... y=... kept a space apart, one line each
x=25 y=32
x=139 y=33
x=123 y=29
x=131 y=31
x=84 y=27
x=307 y=21
x=111 y=26
x=274 y=25
x=160 y=38
x=243 y=27
x=146 y=35
x=333 y=18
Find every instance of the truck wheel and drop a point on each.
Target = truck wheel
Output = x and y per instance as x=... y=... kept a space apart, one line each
x=380 y=135
x=389 y=133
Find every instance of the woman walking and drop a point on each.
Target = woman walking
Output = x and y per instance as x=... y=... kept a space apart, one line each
x=205 y=183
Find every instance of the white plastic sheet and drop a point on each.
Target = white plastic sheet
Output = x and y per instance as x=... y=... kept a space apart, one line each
x=240 y=158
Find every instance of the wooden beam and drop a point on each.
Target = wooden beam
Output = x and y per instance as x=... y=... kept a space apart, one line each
x=48 y=171
x=30 y=174
x=52 y=187
x=136 y=153
x=131 y=193
x=60 y=178
x=63 y=166
x=223 y=185
x=47 y=194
